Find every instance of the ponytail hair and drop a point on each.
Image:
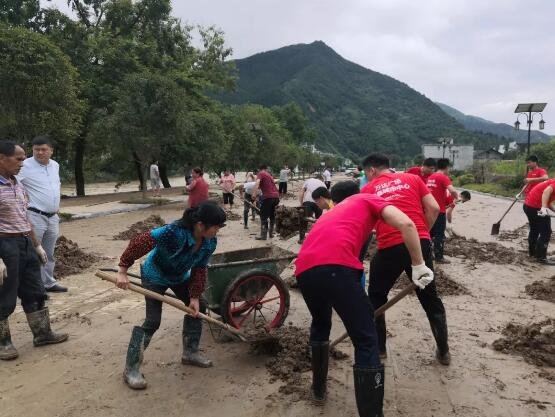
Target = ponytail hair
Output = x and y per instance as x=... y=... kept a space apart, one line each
x=207 y=212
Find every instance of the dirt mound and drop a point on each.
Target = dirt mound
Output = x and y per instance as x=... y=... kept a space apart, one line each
x=512 y=235
x=541 y=290
x=535 y=342
x=445 y=285
x=291 y=359
x=151 y=222
x=231 y=216
x=70 y=259
x=477 y=252
x=288 y=220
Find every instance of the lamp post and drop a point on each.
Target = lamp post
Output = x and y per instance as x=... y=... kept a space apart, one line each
x=529 y=110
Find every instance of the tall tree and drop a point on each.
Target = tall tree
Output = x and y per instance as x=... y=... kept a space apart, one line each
x=38 y=85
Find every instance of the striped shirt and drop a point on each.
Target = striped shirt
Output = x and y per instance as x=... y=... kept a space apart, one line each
x=13 y=207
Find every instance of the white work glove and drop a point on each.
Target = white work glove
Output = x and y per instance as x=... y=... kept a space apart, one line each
x=543 y=212
x=43 y=257
x=3 y=271
x=422 y=275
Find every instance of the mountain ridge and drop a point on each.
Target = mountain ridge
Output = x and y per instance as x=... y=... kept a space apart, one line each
x=355 y=110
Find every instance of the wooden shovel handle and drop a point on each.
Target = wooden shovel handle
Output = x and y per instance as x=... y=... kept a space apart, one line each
x=379 y=311
x=174 y=303
x=246 y=201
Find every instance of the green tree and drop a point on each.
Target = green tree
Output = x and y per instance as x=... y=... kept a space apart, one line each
x=39 y=88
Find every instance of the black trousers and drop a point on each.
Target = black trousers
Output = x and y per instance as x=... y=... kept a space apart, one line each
x=333 y=286
x=540 y=230
x=23 y=280
x=154 y=307
x=311 y=208
x=283 y=188
x=268 y=211
x=248 y=208
x=328 y=184
x=385 y=268
x=438 y=235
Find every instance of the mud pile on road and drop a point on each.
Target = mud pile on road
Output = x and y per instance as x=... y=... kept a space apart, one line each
x=513 y=235
x=288 y=220
x=541 y=290
x=477 y=252
x=151 y=222
x=231 y=216
x=291 y=359
x=444 y=284
x=535 y=342
x=70 y=259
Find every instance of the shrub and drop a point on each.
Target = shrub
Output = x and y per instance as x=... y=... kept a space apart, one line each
x=464 y=179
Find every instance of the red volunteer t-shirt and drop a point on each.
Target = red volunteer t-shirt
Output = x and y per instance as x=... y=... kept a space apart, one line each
x=534 y=197
x=267 y=185
x=438 y=183
x=534 y=173
x=404 y=191
x=198 y=193
x=449 y=200
x=337 y=238
x=418 y=172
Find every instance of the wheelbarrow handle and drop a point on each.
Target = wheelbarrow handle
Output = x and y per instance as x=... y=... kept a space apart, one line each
x=173 y=302
x=380 y=310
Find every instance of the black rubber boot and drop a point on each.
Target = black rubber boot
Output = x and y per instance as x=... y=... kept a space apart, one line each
x=369 y=391
x=438 y=323
x=263 y=232
x=39 y=322
x=531 y=249
x=271 y=230
x=7 y=349
x=137 y=345
x=320 y=359
x=192 y=331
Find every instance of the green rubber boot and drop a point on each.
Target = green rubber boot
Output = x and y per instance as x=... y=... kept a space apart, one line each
x=192 y=331
x=39 y=322
x=137 y=345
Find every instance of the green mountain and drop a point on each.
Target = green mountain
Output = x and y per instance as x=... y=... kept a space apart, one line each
x=354 y=110
x=477 y=124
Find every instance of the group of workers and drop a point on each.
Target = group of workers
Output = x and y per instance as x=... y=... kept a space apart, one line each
x=407 y=211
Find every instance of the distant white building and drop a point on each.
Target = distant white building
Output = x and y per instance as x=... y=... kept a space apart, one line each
x=461 y=156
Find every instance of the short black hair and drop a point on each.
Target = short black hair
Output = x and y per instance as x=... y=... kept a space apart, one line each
x=465 y=194
x=7 y=147
x=429 y=162
x=207 y=212
x=321 y=192
x=532 y=158
x=343 y=189
x=197 y=170
x=42 y=140
x=443 y=163
x=376 y=160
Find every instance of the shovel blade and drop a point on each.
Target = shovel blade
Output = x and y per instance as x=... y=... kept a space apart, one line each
x=495 y=228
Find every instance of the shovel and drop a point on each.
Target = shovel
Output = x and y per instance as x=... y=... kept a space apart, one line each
x=248 y=202
x=496 y=226
x=379 y=311
x=177 y=304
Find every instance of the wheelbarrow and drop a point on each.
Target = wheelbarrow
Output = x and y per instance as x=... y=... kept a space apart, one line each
x=244 y=287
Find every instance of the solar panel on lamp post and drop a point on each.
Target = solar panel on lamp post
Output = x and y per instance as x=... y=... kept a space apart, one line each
x=529 y=110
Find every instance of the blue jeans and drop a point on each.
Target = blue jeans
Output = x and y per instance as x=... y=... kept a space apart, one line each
x=438 y=235
x=333 y=286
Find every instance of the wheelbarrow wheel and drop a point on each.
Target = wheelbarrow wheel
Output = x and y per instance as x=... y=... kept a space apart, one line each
x=255 y=298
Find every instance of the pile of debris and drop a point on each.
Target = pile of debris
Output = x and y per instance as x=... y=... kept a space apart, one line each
x=444 y=284
x=477 y=252
x=541 y=290
x=70 y=259
x=535 y=342
x=289 y=220
x=151 y=222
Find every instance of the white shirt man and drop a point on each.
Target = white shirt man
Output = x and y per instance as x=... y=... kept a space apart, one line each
x=305 y=196
x=155 y=181
x=41 y=179
x=327 y=178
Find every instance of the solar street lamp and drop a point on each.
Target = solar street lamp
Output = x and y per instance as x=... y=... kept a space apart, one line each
x=529 y=110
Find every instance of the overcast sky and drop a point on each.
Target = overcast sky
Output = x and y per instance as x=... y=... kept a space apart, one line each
x=481 y=57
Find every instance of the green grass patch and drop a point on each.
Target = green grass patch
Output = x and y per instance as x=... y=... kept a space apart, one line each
x=147 y=200
x=489 y=188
